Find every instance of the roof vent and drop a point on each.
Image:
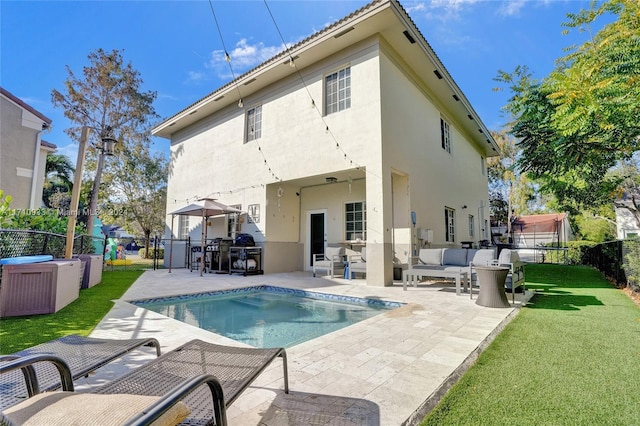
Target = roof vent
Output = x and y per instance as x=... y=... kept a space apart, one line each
x=409 y=37
x=331 y=179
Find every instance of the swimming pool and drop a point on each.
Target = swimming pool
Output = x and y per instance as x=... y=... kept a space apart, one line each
x=267 y=316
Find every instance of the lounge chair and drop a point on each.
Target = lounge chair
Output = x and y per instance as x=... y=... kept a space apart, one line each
x=178 y=377
x=331 y=260
x=82 y=354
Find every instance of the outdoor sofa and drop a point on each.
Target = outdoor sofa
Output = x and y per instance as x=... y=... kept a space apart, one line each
x=441 y=263
x=170 y=389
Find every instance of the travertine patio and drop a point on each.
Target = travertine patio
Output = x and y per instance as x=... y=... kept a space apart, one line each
x=386 y=370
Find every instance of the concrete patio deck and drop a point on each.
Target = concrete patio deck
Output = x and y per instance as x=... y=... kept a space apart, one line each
x=387 y=370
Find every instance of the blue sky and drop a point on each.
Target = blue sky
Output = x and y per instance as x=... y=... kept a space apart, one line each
x=176 y=47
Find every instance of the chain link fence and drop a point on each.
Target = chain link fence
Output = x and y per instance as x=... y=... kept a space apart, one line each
x=619 y=261
x=21 y=242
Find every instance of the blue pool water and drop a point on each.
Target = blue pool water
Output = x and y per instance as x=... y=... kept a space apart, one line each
x=267 y=316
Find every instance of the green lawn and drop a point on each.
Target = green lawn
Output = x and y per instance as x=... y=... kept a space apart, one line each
x=570 y=357
x=79 y=317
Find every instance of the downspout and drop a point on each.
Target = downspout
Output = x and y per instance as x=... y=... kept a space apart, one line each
x=34 y=177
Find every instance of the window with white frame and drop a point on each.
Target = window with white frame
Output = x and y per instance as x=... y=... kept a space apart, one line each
x=337 y=91
x=233 y=222
x=254 y=123
x=471 y=226
x=445 y=135
x=355 y=224
x=450 y=224
x=183 y=227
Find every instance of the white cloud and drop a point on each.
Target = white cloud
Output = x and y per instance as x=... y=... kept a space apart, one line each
x=511 y=8
x=244 y=56
x=443 y=10
x=195 y=76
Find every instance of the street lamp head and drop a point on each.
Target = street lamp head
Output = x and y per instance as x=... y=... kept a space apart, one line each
x=108 y=141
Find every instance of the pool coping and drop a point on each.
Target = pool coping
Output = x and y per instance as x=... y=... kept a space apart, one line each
x=361 y=301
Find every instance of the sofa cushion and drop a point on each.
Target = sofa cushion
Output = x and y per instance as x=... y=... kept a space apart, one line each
x=70 y=408
x=430 y=256
x=483 y=257
x=508 y=256
x=454 y=257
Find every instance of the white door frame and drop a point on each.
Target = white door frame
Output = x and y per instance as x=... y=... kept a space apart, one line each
x=307 y=246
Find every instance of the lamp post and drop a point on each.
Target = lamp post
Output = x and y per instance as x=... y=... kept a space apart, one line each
x=106 y=149
x=108 y=144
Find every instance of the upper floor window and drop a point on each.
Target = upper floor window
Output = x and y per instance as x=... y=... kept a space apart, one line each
x=445 y=135
x=337 y=91
x=355 y=221
x=254 y=123
x=450 y=224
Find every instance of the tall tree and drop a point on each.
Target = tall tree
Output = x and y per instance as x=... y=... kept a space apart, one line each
x=142 y=187
x=511 y=192
x=581 y=120
x=108 y=96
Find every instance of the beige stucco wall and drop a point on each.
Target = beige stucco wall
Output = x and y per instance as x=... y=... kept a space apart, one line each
x=19 y=131
x=392 y=131
x=412 y=145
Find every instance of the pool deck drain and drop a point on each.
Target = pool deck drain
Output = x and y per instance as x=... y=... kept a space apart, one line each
x=386 y=370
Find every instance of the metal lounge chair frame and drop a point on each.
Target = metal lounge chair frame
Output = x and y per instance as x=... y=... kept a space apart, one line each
x=81 y=354
x=180 y=375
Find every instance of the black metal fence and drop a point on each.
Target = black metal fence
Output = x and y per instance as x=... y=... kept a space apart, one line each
x=21 y=242
x=619 y=261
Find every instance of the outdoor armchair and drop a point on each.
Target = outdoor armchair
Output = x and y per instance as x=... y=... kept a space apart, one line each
x=358 y=263
x=331 y=260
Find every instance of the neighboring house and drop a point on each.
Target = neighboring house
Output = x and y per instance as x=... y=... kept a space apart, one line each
x=23 y=153
x=541 y=229
x=337 y=141
x=627 y=225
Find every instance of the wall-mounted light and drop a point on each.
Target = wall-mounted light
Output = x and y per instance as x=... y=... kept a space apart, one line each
x=464 y=206
x=240 y=104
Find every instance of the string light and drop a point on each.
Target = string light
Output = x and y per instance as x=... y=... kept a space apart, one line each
x=313 y=104
x=240 y=102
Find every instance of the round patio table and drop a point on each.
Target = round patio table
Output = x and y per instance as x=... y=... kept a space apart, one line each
x=491 y=280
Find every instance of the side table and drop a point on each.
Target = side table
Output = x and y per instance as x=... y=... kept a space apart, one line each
x=491 y=280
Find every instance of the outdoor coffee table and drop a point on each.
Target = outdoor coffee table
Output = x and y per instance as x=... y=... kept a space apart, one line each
x=491 y=280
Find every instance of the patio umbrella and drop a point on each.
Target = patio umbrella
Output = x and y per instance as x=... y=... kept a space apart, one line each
x=205 y=208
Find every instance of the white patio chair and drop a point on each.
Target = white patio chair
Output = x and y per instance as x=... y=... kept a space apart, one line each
x=331 y=260
x=358 y=263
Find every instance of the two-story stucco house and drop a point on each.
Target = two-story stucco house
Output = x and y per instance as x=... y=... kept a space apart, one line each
x=23 y=153
x=335 y=141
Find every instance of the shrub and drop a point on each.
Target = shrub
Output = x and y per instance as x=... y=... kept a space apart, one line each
x=150 y=254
